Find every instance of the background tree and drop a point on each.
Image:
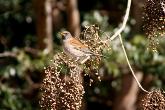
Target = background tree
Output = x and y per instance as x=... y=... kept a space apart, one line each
x=44 y=26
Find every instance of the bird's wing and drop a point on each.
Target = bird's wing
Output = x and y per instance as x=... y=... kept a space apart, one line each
x=81 y=47
x=77 y=43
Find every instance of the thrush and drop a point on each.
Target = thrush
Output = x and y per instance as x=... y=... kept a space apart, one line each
x=75 y=48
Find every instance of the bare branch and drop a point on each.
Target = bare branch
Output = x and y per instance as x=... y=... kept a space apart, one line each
x=130 y=67
x=124 y=22
x=8 y=54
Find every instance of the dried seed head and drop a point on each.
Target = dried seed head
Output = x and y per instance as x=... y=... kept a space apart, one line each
x=62 y=90
x=154 y=21
x=90 y=36
x=154 y=100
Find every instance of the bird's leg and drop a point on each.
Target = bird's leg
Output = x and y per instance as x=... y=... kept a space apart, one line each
x=82 y=62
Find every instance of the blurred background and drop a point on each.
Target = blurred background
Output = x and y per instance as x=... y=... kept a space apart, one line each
x=29 y=37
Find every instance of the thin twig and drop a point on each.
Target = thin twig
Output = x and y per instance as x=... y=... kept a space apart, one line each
x=8 y=54
x=124 y=22
x=29 y=50
x=130 y=67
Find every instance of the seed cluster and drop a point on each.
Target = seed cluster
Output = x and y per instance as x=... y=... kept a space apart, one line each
x=90 y=36
x=62 y=90
x=154 y=21
x=154 y=100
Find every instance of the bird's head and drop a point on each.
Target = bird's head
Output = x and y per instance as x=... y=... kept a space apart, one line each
x=65 y=35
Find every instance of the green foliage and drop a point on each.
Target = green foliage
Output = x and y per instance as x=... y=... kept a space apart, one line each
x=94 y=17
x=16 y=22
x=15 y=84
x=11 y=98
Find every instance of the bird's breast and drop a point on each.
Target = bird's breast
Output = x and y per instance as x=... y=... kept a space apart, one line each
x=73 y=51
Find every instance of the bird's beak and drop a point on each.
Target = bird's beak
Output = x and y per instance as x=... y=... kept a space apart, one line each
x=62 y=34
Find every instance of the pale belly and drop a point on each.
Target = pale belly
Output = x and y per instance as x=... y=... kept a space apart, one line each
x=71 y=51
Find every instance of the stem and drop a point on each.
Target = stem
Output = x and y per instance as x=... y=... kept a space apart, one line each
x=130 y=67
x=124 y=22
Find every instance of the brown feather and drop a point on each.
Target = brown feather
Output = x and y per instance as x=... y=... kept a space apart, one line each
x=77 y=43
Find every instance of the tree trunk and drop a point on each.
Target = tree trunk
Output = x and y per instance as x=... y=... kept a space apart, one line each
x=57 y=15
x=43 y=9
x=73 y=17
x=126 y=99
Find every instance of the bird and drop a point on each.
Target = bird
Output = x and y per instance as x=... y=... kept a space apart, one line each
x=75 y=48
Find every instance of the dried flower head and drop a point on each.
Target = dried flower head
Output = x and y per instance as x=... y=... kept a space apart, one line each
x=154 y=21
x=90 y=36
x=154 y=100
x=62 y=86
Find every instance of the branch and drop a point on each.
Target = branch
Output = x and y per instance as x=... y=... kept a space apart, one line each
x=124 y=22
x=130 y=67
x=32 y=51
x=8 y=54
